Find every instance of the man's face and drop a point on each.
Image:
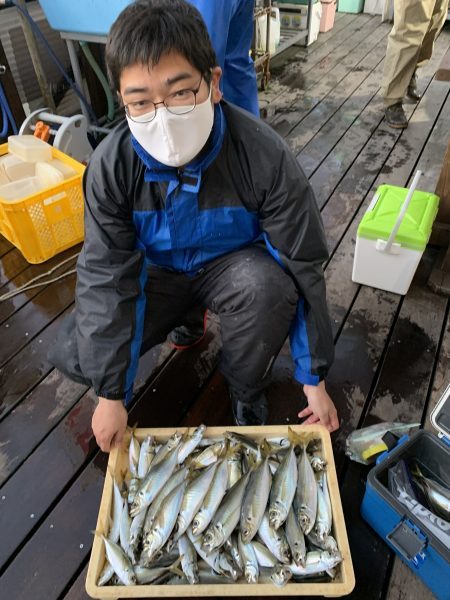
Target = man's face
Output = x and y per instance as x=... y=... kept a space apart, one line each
x=173 y=73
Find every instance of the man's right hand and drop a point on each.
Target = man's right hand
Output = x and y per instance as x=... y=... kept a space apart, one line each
x=109 y=423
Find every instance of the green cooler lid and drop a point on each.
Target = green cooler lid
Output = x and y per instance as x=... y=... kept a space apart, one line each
x=380 y=218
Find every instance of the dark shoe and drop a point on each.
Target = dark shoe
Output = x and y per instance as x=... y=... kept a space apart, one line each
x=247 y=410
x=412 y=91
x=183 y=337
x=395 y=116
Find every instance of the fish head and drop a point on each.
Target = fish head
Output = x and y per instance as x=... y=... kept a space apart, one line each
x=320 y=530
x=276 y=516
x=248 y=530
x=138 y=504
x=226 y=567
x=284 y=550
x=280 y=575
x=330 y=560
x=213 y=538
x=304 y=521
x=199 y=522
x=131 y=576
x=251 y=574
x=299 y=556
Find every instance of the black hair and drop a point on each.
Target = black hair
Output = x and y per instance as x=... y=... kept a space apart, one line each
x=147 y=29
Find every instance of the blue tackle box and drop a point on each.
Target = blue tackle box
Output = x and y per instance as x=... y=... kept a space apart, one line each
x=420 y=537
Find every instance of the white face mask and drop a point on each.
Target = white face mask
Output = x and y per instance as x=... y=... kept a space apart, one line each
x=174 y=140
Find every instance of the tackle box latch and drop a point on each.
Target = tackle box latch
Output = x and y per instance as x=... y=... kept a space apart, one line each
x=409 y=541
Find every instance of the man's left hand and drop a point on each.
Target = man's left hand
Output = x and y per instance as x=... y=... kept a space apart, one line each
x=320 y=407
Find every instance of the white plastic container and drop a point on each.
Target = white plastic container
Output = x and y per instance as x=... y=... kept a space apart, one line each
x=29 y=148
x=22 y=188
x=392 y=237
x=261 y=31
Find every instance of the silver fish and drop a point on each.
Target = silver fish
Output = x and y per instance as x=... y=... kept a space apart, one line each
x=278 y=575
x=274 y=540
x=136 y=532
x=283 y=490
x=212 y=499
x=295 y=538
x=145 y=575
x=437 y=495
x=306 y=493
x=238 y=439
x=163 y=524
x=190 y=444
x=231 y=546
x=234 y=461
x=322 y=525
x=248 y=555
x=318 y=464
x=194 y=495
x=316 y=562
x=255 y=500
x=167 y=448
x=208 y=456
x=106 y=574
x=145 y=457
x=264 y=556
x=177 y=478
x=215 y=559
x=329 y=543
x=119 y=562
x=133 y=454
x=124 y=533
x=188 y=559
x=133 y=488
x=114 y=531
x=157 y=477
x=227 y=516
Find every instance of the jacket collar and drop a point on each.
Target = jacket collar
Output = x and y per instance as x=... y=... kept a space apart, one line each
x=192 y=172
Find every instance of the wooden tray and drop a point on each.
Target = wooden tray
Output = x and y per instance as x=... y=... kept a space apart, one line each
x=343 y=583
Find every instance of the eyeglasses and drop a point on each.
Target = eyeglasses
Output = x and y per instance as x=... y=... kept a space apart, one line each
x=177 y=103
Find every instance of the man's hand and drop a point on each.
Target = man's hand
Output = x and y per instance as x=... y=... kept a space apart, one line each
x=320 y=407
x=109 y=423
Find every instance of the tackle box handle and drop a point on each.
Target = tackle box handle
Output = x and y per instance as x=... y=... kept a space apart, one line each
x=409 y=542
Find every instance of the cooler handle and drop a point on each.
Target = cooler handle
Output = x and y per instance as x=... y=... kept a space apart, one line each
x=402 y=213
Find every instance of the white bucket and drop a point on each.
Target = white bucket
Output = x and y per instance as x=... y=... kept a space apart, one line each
x=275 y=32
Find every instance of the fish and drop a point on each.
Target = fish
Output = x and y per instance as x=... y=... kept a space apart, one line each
x=212 y=499
x=193 y=498
x=156 y=478
x=124 y=531
x=316 y=562
x=255 y=499
x=167 y=448
x=234 y=461
x=306 y=493
x=295 y=538
x=119 y=562
x=146 y=456
x=227 y=516
x=248 y=556
x=209 y=455
x=278 y=575
x=133 y=454
x=190 y=444
x=177 y=478
x=106 y=574
x=322 y=525
x=136 y=528
x=275 y=541
x=264 y=556
x=146 y=575
x=215 y=559
x=318 y=464
x=283 y=489
x=163 y=524
x=114 y=530
x=436 y=494
x=188 y=556
x=329 y=543
x=231 y=546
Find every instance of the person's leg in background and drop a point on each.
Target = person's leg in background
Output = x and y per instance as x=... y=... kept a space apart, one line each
x=411 y=22
x=230 y=27
x=256 y=303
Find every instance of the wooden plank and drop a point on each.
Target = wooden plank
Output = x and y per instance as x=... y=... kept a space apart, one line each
x=26 y=323
x=5 y=246
x=27 y=368
x=394 y=165
x=323 y=79
x=351 y=95
x=11 y=265
x=77 y=590
x=443 y=73
x=281 y=64
x=403 y=583
x=298 y=78
x=22 y=277
x=77 y=509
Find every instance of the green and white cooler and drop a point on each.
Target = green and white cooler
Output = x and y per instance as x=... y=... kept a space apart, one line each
x=392 y=237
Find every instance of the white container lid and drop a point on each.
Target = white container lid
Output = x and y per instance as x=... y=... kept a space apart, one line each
x=29 y=148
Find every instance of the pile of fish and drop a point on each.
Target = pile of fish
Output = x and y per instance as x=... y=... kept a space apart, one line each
x=221 y=510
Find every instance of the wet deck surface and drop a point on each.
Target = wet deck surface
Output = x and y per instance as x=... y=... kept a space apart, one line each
x=392 y=352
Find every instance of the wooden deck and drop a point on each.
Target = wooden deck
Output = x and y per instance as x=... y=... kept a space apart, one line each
x=392 y=352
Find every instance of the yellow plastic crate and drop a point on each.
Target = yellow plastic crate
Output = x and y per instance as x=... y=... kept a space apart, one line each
x=48 y=222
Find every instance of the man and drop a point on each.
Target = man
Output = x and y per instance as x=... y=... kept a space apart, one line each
x=193 y=202
x=410 y=44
